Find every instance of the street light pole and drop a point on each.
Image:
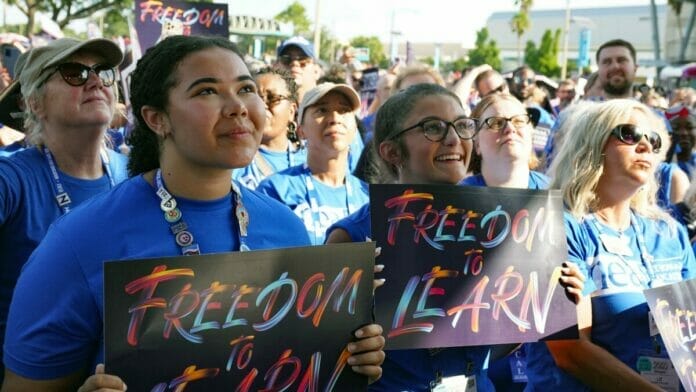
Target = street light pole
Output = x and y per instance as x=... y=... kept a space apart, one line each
x=317 y=30
x=564 y=62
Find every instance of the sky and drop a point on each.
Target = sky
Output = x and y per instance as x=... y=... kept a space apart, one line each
x=440 y=21
x=451 y=21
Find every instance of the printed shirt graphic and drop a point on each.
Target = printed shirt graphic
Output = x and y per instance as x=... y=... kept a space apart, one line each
x=619 y=308
x=290 y=188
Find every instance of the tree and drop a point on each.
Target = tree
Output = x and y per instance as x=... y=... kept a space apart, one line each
x=327 y=45
x=115 y=24
x=485 y=52
x=520 y=24
x=65 y=11
x=544 y=59
x=377 y=55
x=297 y=15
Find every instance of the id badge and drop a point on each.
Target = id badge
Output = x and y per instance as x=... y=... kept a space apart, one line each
x=659 y=371
x=456 y=384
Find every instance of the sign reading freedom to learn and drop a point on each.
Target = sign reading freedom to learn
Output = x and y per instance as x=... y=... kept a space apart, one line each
x=470 y=266
x=156 y=19
x=674 y=309
x=241 y=321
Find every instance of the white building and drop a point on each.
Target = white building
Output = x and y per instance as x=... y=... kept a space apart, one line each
x=631 y=23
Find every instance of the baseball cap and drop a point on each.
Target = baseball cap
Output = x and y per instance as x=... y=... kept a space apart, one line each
x=300 y=42
x=31 y=64
x=314 y=95
x=44 y=57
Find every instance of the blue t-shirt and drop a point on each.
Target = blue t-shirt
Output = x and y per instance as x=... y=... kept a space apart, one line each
x=536 y=181
x=28 y=207
x=664 y=174
x=689 y=166
x=413 y=370
x=10 y=149
x=298 y=189
x=267 y=160
x=619 y=308
x=62 y=283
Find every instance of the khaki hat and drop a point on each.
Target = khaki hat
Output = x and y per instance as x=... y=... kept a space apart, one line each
x=31 y=64
x=314 y=95
x=57 y=51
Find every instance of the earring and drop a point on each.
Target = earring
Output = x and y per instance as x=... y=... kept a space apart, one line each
x=292 y=132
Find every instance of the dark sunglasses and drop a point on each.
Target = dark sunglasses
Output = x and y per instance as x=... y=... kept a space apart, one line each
x=273 y=100
x=76 y=74
x=630 y=134
x=287 y=60
x=436 y=129
x=520 y=80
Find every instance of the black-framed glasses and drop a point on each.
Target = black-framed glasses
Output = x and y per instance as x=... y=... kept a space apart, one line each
x=497 y=123
x=76 y=74
x=286 y=59
x=436 y=129
x=272 y=100
x=630 y=134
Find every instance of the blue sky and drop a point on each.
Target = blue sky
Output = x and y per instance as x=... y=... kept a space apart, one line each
x=418 y=20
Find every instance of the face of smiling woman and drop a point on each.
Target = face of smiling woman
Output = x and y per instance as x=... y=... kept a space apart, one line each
x=214 y=117
x=443 y=162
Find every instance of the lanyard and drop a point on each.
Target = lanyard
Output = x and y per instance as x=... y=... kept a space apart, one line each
x=183 y=237
x=261 y=168
x=314 y=197
x=61 y=193
x=645 y=257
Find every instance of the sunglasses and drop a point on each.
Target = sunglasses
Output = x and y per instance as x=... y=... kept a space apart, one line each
x=273 y=100
x=76 y=74
x=287 y=60
x=630 y=134
x=436 y=129
x=521 y=80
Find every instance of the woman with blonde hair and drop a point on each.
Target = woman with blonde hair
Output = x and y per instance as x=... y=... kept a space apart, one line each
x=617 y=234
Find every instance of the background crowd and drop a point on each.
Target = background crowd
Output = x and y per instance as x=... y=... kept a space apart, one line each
x=257 y=156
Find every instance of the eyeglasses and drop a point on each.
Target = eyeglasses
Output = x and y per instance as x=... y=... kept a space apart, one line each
x=76 y=74
x=520 y=80
x=498 y=123
x=273 y=100
x=287 y=60
x=630 y=134
x=436 y=129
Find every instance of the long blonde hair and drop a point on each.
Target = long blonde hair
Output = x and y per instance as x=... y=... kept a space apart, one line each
x=577 y=168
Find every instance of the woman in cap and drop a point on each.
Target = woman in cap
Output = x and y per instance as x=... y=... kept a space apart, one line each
x=198 y=116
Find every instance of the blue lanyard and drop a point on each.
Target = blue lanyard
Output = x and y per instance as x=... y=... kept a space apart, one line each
x=61 y=194
x=183 y=237
x=314 y=196
x=645 y=257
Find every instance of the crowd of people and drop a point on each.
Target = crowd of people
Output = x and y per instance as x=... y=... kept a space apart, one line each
x=279 y=156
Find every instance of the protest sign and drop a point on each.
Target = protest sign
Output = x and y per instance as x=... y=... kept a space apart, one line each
x=156 y=20
x=240 y=321
x=469 y=265
x=673 y=308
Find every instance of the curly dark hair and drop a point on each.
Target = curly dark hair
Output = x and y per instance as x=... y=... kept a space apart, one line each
x=150 y=83
x=287 y=78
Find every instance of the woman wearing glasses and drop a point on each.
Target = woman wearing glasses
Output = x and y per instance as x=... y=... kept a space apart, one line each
x=69 y=93
x=615 y=231
x=280 y=146
x=504 y=146
x=422 y=136
x=198 y=116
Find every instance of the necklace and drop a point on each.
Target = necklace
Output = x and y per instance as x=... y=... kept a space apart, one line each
x=182 y=236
